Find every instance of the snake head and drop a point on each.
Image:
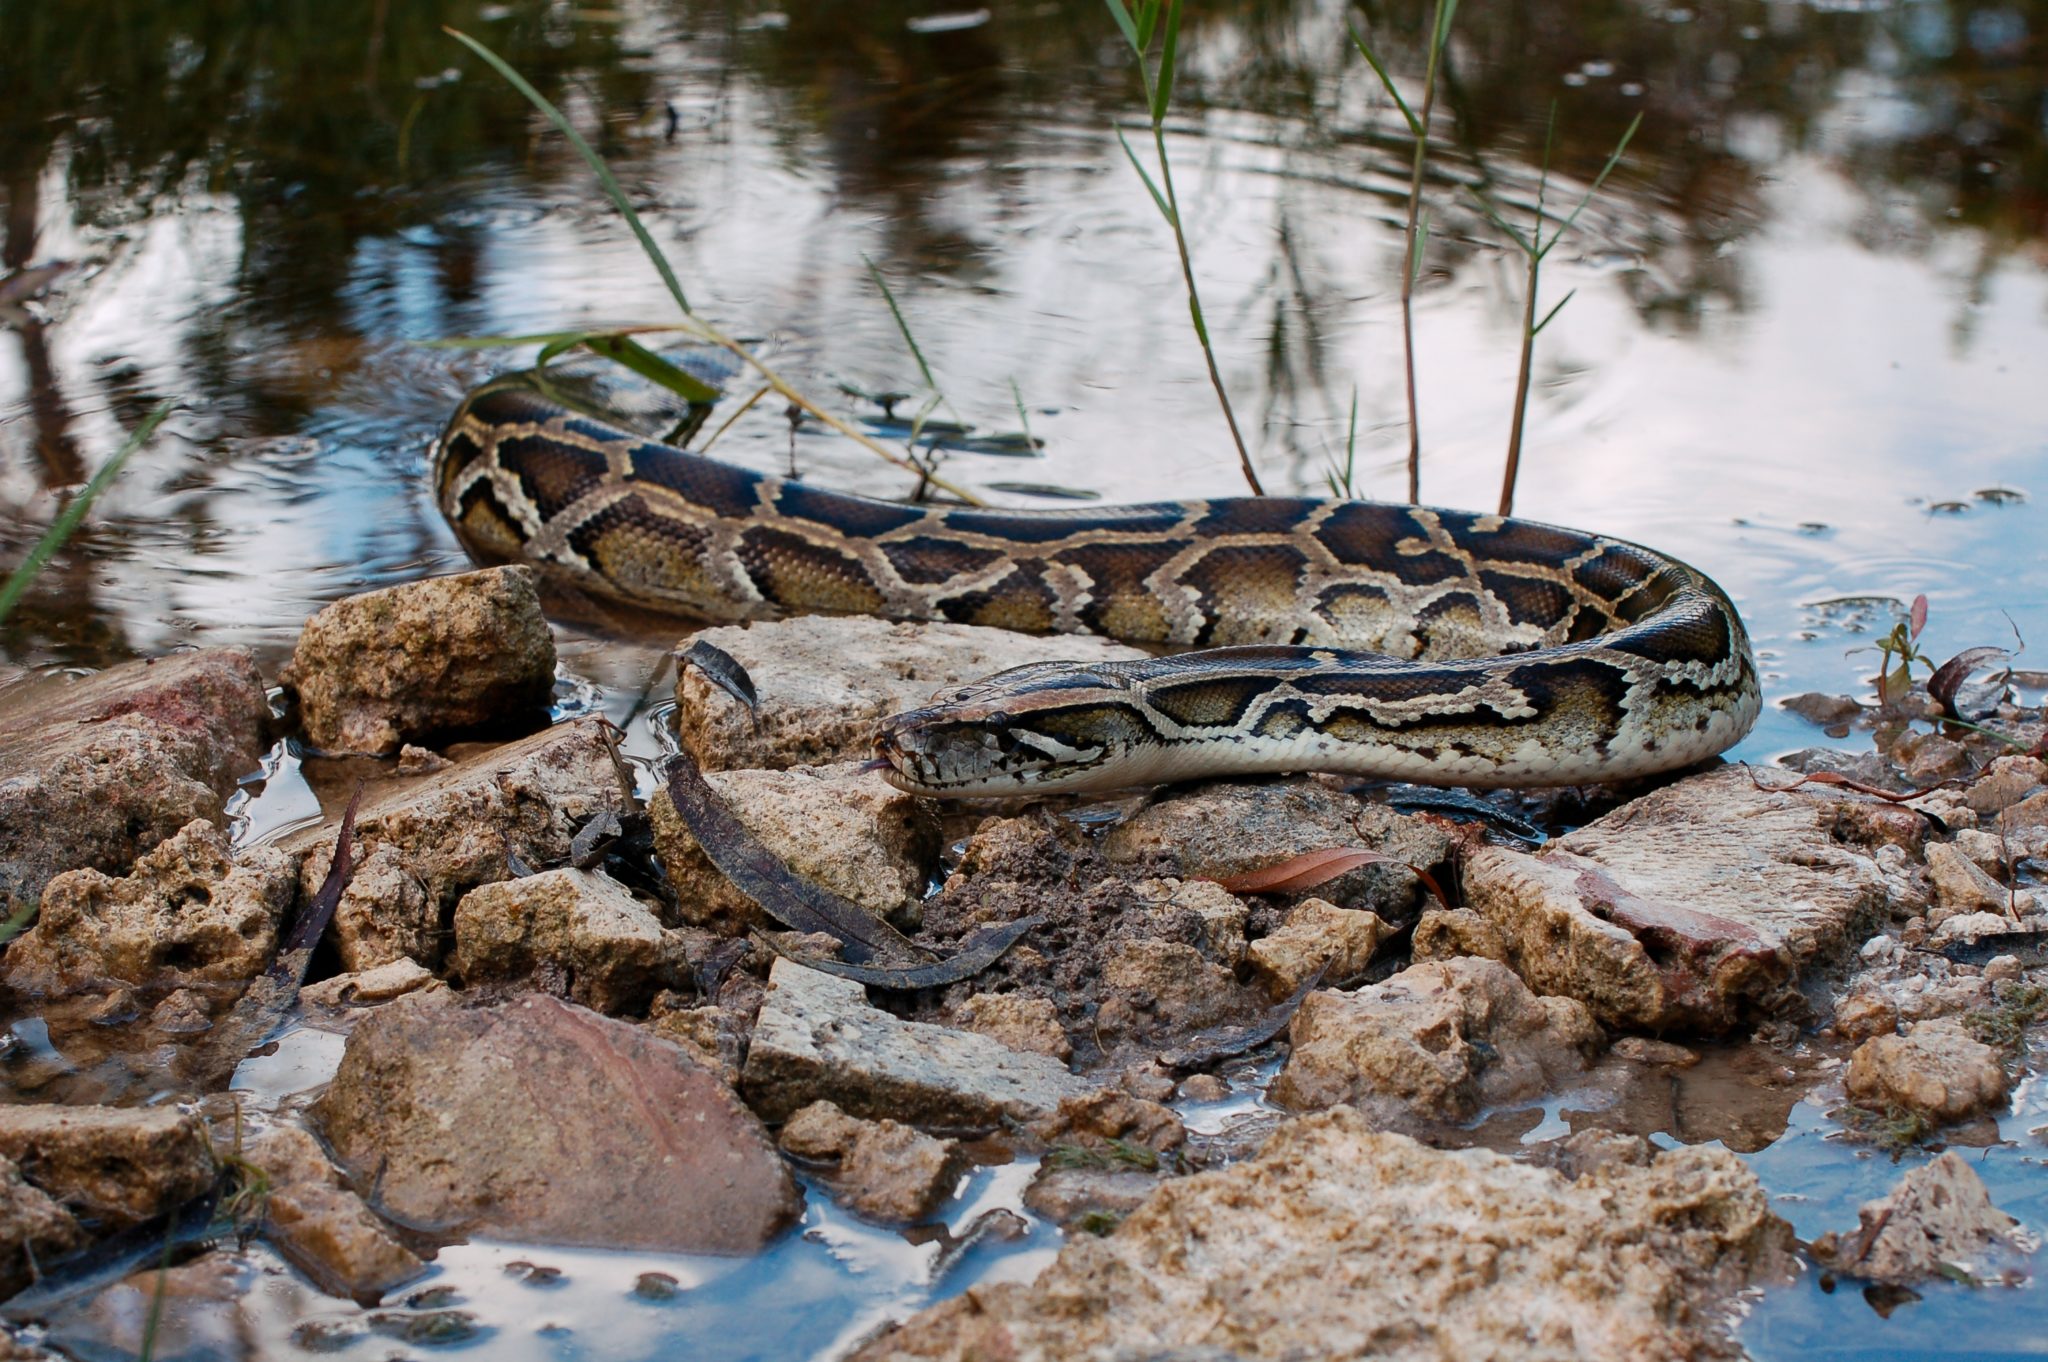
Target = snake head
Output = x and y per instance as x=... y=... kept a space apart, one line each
x=1036 y=729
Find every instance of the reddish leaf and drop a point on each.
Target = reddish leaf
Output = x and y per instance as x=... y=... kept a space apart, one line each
x=1917 y=616
x=1846 y=782
x=1311 y=868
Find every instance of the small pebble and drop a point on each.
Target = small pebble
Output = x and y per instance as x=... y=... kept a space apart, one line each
x=656 y=1286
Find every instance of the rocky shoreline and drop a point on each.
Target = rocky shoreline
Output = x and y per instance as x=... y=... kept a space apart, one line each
x=567 y=1026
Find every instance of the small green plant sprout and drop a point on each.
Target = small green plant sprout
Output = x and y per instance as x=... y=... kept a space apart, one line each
x=1534 y=247
x=1139 y=22
x=1898 y=651
x=935 y=397
x=1416 y=238
x=1343 y=478
x=618 y=344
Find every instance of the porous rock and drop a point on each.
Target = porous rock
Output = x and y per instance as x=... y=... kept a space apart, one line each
x=366 y=988
x=93 y=773
x=1339 y=1241
x=818 y=1037
x=538 y=1120
x=1020 y=1022
x=325 y=1229
x=1317 y=935
x=2006 y=782
x=118 y=1164
x=1693 y=908
x=1937 y=1220
x=847 y=831
x=1436 y=1043
x=188 y=913
x=1447 y=933
x=33 y=1229
x=376 y=671
x=420 y=845
x=1222 y=830
x=581 y=925
x=887 y=1171
x=1962 y=887
x=1937 y=1069
x=823 y=681
x=1162 y=989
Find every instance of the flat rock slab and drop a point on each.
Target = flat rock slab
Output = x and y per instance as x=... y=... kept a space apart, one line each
x=818 y=1038
x=1694 y=908
x=121 y=1164
x=537 y=1120
x=1339 y=1241
x=823 y=681
x=95 y=772
x=421 y=844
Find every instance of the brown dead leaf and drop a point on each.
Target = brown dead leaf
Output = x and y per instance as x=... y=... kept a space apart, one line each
x=1297 y=874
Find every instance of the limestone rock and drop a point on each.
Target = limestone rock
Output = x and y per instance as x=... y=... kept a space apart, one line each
x=1448 y=933
x=320 y=1225
x=200 y=1317
x=364 y=988
x=887 y=1171
x=2006 y=782
x=835 y=826
x=1317 y=935
x=1019 y=1022
x=537 y=1120
x=188 y=913
x=1437 y=1042
x=1937 y=1069
x=34 y=1230
x=422 y=844
x=818 y=1037
x=1162 y=989
x=582 y=923
x=1938 y=1219
x=93 y=773
x=824 y=681
x=1101 y=1196
x=119 y=1164
x=376 y=671
x=1964 y=888
x=1226 y=829
x=1693 y=908
x=1222 y=914
x=1342 y=1242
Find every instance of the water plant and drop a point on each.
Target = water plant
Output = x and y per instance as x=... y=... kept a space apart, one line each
x=1139 y=25
x=1416 y=237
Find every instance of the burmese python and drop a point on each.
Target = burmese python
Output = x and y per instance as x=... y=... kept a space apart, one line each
x=1401 y=642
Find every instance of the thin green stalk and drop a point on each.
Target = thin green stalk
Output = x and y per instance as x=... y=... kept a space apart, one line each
x=1344 y=483
x=1417 y=232
x=67 y=521
x=1138 y=27
x=702 y=328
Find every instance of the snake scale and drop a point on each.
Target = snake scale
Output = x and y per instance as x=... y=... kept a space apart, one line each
x=1399 y=642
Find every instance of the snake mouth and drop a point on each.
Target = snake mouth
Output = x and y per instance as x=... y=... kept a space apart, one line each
x=950 y=754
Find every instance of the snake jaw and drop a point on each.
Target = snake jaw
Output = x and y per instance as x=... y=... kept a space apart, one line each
x=959 y=751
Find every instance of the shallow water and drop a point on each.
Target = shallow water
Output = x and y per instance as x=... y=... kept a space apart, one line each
x=1806 y=349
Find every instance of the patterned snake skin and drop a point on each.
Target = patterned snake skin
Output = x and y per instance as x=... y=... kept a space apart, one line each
x=1394 y=641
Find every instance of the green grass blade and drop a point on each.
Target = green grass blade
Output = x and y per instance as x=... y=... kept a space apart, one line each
x=889 y=297
x=1023 y=420
x=653 y=367
x=1158 y=198
x=1612 y=161
x=1493 y=216
x=1387 y=83
x=67 y=521
x=1552 y=313
x=1148 y=20
x=1415 y=251
x=1441 y=38
x=1162 y=90
x=590 y=158
x=1122 y=14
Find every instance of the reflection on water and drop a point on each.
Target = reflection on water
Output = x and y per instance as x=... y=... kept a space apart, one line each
x=1804 y=352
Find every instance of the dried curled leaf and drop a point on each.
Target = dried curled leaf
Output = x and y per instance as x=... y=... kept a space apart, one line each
x=724 y=671
x=1297 y=874
x=1949 y=677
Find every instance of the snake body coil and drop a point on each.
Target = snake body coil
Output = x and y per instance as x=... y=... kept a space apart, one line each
x=1395 y=641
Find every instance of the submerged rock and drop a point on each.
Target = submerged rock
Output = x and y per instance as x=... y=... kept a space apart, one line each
x=1937 y=1070
x=817 y=1037
x=1438 y=1042
x=422 y=844
x=188 y=913
x=538 y=1120
x=376 y=671
x=191 y=1313
x=34 y=1230
x=1937 y=1222
x=1695 y=907
x=94 y=773
x=581 y=926
x=887 y=1171
x=847 y=831
x=117 y=1164
x=1339 y=1241
x=822 y=682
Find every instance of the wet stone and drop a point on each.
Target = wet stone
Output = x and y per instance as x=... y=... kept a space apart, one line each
x=189 y=912
x=118 y=1164
x=34 y=1229
x=1824 y=710
x=817 y=1037
x=423 y=844
x=1437 y=1042
x=835 y=826
x=1693 y=908
x=579 y=924
x=1341 y=1241
x=326 y=1230
x=448 y=654
x=822 y=682
x=886 y=1171
x=200 y=1316
x=537 y=1120
x=1937 y=1222
x=1937 y=1070
x=94 y=773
